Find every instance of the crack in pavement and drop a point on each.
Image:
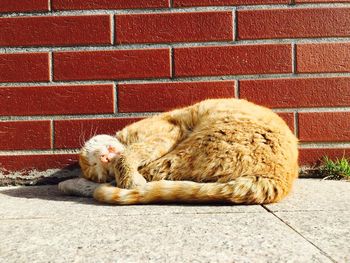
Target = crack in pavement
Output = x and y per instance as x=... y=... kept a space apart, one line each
x=297 y=232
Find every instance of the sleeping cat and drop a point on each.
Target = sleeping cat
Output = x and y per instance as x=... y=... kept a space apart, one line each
x=221 y=150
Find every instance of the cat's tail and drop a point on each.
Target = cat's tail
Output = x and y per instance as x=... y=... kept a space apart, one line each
x=243 y=190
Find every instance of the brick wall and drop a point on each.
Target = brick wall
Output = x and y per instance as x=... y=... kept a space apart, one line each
x=73 y=68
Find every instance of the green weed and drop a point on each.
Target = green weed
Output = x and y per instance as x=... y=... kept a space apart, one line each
x=336 y=170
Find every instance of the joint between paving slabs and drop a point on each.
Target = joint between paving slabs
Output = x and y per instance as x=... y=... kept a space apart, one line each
x=298 y=233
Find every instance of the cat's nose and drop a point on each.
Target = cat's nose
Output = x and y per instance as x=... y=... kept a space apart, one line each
x=105 y=158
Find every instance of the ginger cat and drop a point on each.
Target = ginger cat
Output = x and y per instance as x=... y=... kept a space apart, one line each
x=222 y=150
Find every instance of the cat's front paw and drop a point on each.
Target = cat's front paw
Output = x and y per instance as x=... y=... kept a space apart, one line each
x=132 y=181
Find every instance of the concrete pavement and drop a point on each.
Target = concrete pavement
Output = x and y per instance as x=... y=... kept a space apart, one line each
x=39 y=224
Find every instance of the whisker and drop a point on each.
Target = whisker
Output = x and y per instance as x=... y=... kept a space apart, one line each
x=91 y=132
x=95 y=132
x=82 y=139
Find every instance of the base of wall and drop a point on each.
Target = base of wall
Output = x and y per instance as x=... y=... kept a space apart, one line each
x=34 y=177
x=54 y=176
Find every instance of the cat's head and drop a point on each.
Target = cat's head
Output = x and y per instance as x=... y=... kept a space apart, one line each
x=97 y=157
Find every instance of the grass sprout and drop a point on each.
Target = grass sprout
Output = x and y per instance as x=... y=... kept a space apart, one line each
x=336 y=170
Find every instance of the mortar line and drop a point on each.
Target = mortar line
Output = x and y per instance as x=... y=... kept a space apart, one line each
x=172 y=64
x=313 y=110
x=237 y=93
x=76 y=150
x=50 y=5
x=241 y=42
x=40 y=152
x=298 y=233
x=179 y=79
x=115 y=90
x=51 y=67
x=235 y=24
x=121 y=115
x=294 y=58
x=113 y=25
x=52 y=126
x=175 y=10
x=257 y=77
x=296 y=124
x=318 y=145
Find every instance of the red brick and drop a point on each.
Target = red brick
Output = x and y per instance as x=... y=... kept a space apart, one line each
x=294 y=93
x=25 y=135
x=40 y=162
x=321 y=1
x=73 y=133
x=330 y=57
x=232 y=60
x=311 y=156
x=55 y=30
x=166 y=96
x=107 y=4
x=17 y=101
x=324 y=126
x=181 y=3
x=288 y=117
x=33 y=67
x=23 y=5
x=116 y=64
x=292 y=23
x=174 y=27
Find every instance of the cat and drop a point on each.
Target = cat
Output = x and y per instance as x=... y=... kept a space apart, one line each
x=218 y=150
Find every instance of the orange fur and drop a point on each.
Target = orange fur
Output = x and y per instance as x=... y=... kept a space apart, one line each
x=225 y=150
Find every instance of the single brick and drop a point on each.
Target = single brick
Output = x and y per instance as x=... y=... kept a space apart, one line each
x=23 y=6
x=316 y=58
x=107 y=4
x=25 y=135
x=54 y=100
x=294 y=93
x=39 y=162
x=293 y=23
x=314 y=156
x=55 y=30
x=116 y=64
x=24 y=67
x=321 y=1
x=174 y=27
x=183 y=3
x=233 y=60
x=166 y=96
x=288 y=117
x=73 y=133
x=324 y=126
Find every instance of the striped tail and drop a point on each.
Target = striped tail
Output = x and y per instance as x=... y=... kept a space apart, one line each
x=243 y=190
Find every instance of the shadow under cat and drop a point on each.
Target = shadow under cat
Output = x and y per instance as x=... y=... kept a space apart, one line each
x=51 y=193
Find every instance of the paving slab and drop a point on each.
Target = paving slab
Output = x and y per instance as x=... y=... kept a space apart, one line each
x=327 y=230
x=48 y=202
x=39 y=224
x=316 y=195
x=236 y=237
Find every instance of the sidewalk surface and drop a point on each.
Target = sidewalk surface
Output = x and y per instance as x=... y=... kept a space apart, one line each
x=39 y=224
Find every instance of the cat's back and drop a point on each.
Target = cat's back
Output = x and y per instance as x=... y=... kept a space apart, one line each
x=247 y=124
x=239 y=110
